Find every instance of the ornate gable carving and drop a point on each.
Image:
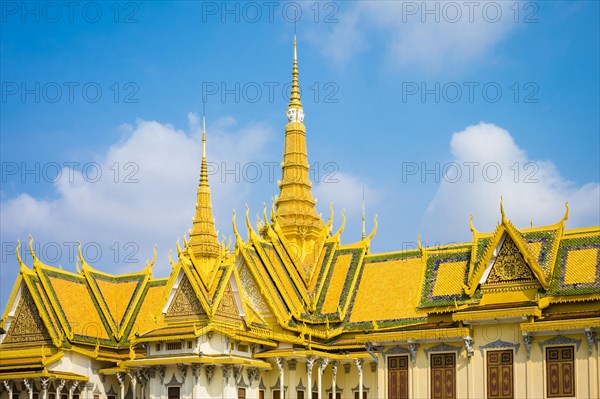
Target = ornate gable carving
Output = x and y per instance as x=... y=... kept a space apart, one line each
x=510 y=265
x=227 y=307
x=27 y=325
x=252 y=291
x=185 y=303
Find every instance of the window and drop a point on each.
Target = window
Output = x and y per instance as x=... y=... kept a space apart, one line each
x=243 y=348
x=338 y=395
x=173 y=392
x=276 y=394
x=299 y=394
x=158 y=347
x=560 y=371
x=189 y=344
x=443 y=375
x=241 y=393
x=111 y=397
x=315 y=395
x=364 y=395
x=173 y=346
x=261 y=394
x=398 y=377
x=500 y=374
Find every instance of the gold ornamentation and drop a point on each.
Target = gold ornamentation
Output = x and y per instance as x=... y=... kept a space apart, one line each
x=185 y=302
x=227 y=306
x=510 y=265
x=252 y=291
x=27 y=325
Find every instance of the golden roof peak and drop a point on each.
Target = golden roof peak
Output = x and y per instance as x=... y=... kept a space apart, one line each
x=295 y=102
x=203 y=236
x=295 y=204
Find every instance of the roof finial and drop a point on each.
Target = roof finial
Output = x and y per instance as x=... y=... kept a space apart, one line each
x=203 y=237
x=363 y=235
x=295 y=112
x=204 y=168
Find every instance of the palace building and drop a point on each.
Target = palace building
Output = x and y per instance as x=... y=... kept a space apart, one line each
x=294 y=313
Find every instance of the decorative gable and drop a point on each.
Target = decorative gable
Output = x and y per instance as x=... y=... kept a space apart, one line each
x=27 y=325
x=509 y=266
x=185 y=303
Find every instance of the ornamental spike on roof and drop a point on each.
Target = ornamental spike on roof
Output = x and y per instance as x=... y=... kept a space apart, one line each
x=203 y=236
x=295 y=204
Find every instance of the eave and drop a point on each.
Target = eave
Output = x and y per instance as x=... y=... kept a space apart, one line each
x=192 y=359
x=493 y=315
x=559 y=326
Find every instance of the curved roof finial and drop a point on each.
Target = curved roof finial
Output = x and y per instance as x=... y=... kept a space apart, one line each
x=502 y=210
x=471 y=226
x=566 y=216
x=31 y=251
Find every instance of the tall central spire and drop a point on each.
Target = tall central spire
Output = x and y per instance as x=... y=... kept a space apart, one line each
x=295 y=204
x=203 y=236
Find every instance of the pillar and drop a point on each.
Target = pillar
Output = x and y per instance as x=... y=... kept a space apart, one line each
x=359 y=364
x=310 y=360
x=281 y=366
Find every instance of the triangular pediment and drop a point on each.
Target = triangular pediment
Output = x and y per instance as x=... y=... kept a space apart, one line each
x=509 y=266
x=228 y=307
x=507 y=259
x=184 y=304
x=27 y=326
x=252 y=292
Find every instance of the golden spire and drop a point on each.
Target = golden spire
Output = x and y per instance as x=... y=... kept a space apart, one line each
x=295 y=204
x=203 y=236
x=295 y=97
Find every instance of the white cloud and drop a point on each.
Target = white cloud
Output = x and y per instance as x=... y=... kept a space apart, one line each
x=345 y=192
x=431 y=35
x=144 y=196
x=488 y=164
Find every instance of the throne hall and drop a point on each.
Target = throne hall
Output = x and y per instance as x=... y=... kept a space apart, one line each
x=292 y=312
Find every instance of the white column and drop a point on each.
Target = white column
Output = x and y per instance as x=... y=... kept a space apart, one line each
x=334 y=366
x=281 y=366
x=121 y=379
x=27 y=382
x=45 y=381
x=8 y=388
x=196 y=370
x=310 y=360
x=134 y=384
x=73 y=388
x=60 y=387
x=359 y=364
x=322 y=364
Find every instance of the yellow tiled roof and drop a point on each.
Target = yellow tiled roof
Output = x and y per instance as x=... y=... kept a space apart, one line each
x=150 y=308
x=450 y=277
x=336 y=283
x=582 y=266
x=388 y=290
x=76 y=302
x=117 y=296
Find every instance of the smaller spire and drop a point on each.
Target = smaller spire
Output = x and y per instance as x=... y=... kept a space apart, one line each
x=203 y=236
x=295 y=111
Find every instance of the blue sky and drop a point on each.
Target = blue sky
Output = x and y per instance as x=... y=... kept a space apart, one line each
x=434 y=109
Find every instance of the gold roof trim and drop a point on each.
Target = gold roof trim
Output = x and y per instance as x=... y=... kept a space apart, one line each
x=557 y=325
x=492 y=314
